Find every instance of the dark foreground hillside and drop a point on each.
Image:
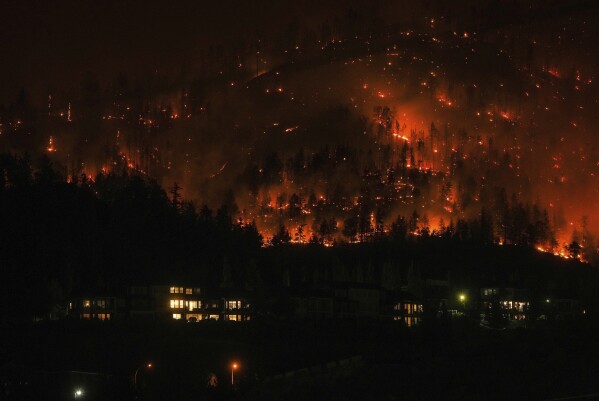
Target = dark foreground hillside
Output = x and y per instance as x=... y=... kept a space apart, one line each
x=305 y=360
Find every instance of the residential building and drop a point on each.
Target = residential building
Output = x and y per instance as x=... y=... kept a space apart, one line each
x=178 y=302
x=339 y=300
x=95 y=308
x=405 y=307
x=512 y=303
x=164 y=302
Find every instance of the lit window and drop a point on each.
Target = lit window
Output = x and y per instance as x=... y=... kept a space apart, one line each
x=233 y=318
x=176 y=316
x=85 y=316
x=173 y=289
x=177 y=303
x=188 y=291
x=101 y=303
x=193 y=305
x=87 y=303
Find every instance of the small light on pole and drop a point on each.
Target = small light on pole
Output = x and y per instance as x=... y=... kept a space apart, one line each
x=148 y=365
x=462 y=298
x=234 y=367
x=78 y=393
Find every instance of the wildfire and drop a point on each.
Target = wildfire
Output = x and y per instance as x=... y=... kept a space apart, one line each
x=51 y=147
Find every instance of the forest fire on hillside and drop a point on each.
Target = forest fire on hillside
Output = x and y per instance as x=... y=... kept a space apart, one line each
x=346 y=134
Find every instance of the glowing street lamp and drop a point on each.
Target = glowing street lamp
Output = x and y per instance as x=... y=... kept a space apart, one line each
x=234 y=367
x=149 y=365
x=462 y=298
x=78 y=393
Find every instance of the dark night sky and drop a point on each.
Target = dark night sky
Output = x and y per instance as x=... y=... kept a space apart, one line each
x=53 y=43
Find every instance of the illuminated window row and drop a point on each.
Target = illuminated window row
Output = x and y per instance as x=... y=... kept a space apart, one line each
x=177 y=304
x=408 y=320
x=182 y=290
x=98 y=303
x=180 y=304
x=233 y=304
x=197 y=317
x=99 y=316
x=519 y=306
x=195 y=304
x=408 y=308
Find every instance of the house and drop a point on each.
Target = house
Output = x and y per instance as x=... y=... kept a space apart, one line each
x=95 y=308
x=178 y=302
x=319 y=304
x=140 y=304
x=405 y=307
x=227 y=305
x=236 y=308
x=429 y=284
x=163 y=302
x=358 y=300
x=190 y=304
x=338 y=300
x=512 y=304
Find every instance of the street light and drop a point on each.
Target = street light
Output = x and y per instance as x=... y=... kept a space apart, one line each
x=462 y=298
x=149 y=365
x=78 y=393
x=234 y=367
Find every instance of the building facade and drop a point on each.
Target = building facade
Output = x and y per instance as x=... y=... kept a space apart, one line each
x=162 y=302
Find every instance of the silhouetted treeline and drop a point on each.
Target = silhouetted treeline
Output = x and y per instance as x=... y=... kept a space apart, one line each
x=100 y=234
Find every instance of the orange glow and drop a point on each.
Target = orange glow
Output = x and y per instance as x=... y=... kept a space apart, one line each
x=51 y=148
